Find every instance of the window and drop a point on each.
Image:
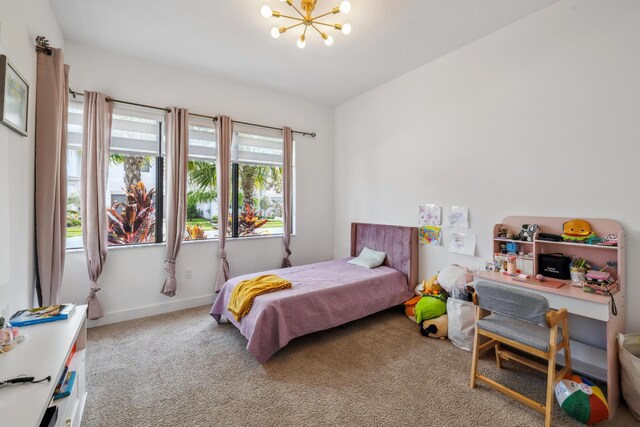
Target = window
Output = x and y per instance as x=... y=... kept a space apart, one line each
x=202 y=196
x=256 y=182
x=135 y=182
x=136 y=179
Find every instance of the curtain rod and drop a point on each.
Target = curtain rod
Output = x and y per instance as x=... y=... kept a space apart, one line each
x=214 y=118
x=42 y=45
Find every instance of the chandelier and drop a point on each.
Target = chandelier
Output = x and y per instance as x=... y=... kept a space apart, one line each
x=306 y=19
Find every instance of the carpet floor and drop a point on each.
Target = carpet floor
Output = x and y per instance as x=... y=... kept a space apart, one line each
x=183 y=369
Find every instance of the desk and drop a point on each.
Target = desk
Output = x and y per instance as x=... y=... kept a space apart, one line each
x=601 y=363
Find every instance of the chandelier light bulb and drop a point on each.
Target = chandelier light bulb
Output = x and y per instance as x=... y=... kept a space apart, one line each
x=265 y=11
x=346 y=29
x=275 y=32
x=345 y=7
x=328 y=41
x=301 y=42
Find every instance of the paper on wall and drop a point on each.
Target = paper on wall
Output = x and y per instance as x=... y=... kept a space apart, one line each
x=456 y=217
x=429 y=215
x=463 y=243
x=430 y=235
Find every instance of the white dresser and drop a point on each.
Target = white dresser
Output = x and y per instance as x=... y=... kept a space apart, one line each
x=44 y=352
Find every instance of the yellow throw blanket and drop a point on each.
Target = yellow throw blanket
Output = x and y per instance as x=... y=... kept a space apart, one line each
x=245 y=292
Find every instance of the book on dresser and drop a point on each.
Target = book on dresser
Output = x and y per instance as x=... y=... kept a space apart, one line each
x=65 y=386
x=33 y=316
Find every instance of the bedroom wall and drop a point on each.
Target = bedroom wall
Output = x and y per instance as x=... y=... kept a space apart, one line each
x=538 y=118
x=133 y=277
x=20 y=23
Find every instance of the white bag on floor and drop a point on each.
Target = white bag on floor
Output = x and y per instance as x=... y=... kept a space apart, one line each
x=462 y=318
x=629 y=355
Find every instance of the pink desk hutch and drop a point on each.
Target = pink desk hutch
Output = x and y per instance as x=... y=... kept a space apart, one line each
x=592 y=324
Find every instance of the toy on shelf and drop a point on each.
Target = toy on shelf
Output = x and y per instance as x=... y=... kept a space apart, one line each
x=608 y=240
x=527 y=232
x=577 y=230
x=504 y=233
x=512 y=247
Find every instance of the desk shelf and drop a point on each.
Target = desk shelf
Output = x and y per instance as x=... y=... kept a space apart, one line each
x=600 y=363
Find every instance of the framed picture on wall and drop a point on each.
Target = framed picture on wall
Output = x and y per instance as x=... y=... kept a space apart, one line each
x=14 y=98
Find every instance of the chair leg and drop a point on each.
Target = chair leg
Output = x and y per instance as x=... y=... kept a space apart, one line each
x=551 y=376
x=498 y=358
x=567 y=348
x=474 y=360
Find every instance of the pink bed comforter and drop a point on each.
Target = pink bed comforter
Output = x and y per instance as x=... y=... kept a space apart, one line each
x=323 y=295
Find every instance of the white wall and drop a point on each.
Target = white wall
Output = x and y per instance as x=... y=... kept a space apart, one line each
x=20 y=23
x=539 y=118
x=133 y=277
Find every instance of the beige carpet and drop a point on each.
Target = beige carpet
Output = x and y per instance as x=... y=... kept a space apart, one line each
x=183 y=369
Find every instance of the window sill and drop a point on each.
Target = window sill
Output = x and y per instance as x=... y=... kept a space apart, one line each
x=184 y=242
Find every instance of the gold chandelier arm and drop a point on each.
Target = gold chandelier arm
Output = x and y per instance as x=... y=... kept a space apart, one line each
x=293 y=26
x=323 y=15
x=291 y=17
x=296 y=9
x=316 y=28
x=325 y=24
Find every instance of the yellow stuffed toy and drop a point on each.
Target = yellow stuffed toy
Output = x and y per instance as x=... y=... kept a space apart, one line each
x=577 y=230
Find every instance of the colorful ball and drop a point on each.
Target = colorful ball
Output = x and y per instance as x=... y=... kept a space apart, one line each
x=582 y=400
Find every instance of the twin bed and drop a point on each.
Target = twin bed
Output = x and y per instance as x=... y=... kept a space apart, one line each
x=328 y=294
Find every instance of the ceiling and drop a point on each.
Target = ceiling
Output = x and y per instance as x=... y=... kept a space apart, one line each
x=229 y=39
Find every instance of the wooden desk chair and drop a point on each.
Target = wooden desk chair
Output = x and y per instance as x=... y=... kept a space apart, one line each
x=522 y=320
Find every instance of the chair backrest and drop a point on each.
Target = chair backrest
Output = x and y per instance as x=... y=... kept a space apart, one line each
x=512 y=302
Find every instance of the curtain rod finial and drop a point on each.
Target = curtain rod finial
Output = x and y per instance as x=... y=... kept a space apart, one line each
x=43 y=45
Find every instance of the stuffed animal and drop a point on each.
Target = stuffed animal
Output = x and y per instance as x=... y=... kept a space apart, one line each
x=527 y=232
x=426 y=309
x=435 y=328
x=577 y=230
x=430 y=307
x=431 y=284
x=410 y=307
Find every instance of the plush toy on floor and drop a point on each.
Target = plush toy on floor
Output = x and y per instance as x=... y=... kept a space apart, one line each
x=429 y=302
x=435 y=328
x=428 y=308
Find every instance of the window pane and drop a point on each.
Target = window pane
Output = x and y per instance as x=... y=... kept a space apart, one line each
x=132 y=186
x=202 y=196
x=260 y=200
x=74 y=159
x=258 y=153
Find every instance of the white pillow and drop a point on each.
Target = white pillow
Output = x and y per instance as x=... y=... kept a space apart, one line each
x=369 y=258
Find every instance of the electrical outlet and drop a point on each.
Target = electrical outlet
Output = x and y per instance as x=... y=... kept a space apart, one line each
x=187 y=273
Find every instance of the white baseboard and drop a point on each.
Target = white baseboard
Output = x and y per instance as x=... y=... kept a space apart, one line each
x=151 y=310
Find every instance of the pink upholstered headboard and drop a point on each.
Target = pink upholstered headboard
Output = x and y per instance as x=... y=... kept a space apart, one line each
x=398 y=242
